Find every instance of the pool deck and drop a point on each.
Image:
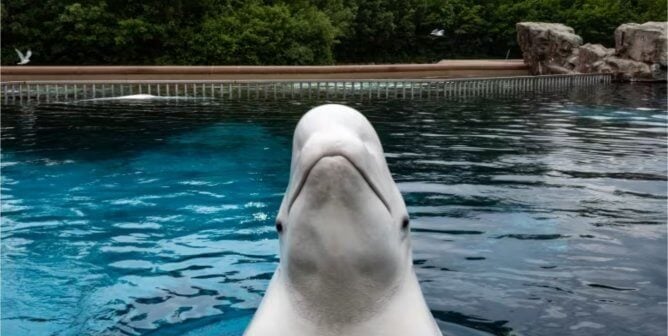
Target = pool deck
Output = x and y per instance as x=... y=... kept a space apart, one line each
x=442 y=69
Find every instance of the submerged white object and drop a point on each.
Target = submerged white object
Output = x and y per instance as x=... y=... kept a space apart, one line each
x=437 y=32
x=24 y=58
x=345 y=253
x=129 y=97
x=141 y=97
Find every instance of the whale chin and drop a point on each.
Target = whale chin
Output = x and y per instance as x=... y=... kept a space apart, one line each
x=340 y=244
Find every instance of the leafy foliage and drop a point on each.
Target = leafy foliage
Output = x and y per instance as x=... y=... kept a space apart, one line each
x=294 y=32
x=259 y=33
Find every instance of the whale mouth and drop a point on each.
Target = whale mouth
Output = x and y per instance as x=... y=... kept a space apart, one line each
x=302 y=181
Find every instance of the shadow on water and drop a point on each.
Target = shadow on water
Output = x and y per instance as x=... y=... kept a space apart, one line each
x=103 y=130
x=477 y=326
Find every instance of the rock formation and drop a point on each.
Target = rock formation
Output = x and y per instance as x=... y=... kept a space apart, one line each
x=640 y=53
x=629 y=70
x=591 y=58
x=646 y=43
x=547 y=46
x=642 y=42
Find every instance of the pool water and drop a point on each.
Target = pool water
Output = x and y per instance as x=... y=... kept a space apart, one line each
x=538 y=215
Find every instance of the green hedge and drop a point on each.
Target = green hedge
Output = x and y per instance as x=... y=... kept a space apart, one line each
x=294 y=32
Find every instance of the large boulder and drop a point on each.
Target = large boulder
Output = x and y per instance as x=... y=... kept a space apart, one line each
x=547 y=47
x=643 y=42
x=591 y=58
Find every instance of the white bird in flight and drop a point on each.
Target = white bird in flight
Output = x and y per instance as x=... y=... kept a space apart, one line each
x=437 y=32
x=24 y=58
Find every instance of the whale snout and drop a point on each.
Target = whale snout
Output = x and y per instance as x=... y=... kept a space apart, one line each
x=334 y=179
x=333 y=156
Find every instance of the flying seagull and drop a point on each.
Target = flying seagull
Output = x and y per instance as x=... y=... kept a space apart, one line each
x=24 y=58
x=437 y=32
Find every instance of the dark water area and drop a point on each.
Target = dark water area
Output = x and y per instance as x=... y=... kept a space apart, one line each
x=536 y=215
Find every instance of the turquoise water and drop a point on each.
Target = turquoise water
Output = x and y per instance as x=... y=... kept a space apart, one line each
x=538 y=215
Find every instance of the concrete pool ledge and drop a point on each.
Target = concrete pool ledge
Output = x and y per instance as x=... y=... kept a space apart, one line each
x=442 y=69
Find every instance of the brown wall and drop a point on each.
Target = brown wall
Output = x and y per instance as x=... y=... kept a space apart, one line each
x=443 y=69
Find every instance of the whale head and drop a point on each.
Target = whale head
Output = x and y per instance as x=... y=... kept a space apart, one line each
x=342 y=225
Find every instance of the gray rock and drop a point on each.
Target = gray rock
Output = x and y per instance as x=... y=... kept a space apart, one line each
x=546 y=47
x=558 y=70
x=590 y=57
x=573 y=61
x=659 y=72
x=629 y=70
x=601 y=67
x=643 y=42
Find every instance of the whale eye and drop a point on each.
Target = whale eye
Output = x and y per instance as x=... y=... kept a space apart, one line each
x=404 y=223
x=279 y=226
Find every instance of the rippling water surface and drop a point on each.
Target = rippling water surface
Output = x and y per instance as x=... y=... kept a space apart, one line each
x=539 y=215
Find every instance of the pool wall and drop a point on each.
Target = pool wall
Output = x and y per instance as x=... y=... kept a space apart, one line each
x=67 y=90
x=443 y=69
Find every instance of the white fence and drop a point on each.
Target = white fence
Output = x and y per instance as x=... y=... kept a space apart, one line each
x=63 y=91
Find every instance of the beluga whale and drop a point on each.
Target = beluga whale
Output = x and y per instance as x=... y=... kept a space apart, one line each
x=345 y=253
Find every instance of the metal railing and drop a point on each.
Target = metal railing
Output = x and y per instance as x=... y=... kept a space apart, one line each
x=66 y=91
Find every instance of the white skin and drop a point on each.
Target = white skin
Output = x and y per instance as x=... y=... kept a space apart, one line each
x=345 y=253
